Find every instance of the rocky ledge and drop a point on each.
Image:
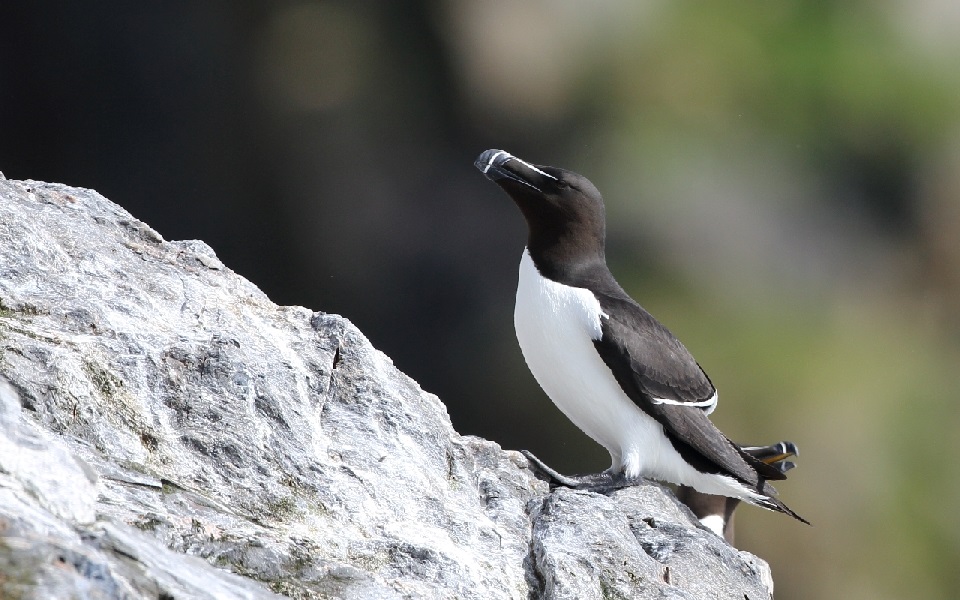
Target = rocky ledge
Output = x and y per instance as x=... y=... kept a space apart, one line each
x=166 y=431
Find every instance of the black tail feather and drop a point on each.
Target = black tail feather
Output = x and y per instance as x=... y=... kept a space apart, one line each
x=772 y=503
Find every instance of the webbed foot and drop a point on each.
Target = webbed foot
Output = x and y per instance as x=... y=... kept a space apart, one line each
x=603 y=482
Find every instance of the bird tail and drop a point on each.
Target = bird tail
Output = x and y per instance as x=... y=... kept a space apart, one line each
x=770 y=501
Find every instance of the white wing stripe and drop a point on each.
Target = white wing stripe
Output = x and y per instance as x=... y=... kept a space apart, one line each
x=709 y=404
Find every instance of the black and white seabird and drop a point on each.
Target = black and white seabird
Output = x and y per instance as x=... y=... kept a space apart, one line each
x=607 y=364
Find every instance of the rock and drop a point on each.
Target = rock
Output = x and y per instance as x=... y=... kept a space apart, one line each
x=168 y=432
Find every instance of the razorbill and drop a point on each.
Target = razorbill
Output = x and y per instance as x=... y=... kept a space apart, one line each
x=607 y=364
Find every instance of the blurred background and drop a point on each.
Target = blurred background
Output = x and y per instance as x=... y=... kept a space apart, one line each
x=782 y=183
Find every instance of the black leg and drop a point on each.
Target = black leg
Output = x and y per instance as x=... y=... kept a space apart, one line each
x=596 y=482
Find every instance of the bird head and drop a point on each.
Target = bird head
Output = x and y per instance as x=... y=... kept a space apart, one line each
x=564 y=210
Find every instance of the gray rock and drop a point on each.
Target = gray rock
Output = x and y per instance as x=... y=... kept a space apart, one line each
x=168 y=432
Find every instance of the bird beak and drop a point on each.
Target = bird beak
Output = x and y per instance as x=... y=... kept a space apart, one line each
x=498 y=165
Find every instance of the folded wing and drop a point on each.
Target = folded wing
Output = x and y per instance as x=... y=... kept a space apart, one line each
x=658 y=373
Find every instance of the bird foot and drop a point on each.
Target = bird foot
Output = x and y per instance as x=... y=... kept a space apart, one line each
x=604 y=482
x=775 y=455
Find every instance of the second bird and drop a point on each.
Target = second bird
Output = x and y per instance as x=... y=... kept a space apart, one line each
x=607 y=364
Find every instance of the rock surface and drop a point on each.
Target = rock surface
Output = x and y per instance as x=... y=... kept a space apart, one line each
x=168 y=432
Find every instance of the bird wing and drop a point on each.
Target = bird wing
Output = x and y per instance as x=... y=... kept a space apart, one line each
x=658 y=373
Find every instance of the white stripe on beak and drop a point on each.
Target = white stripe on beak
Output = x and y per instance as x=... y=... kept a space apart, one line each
x=533 y=168
x=494 y=157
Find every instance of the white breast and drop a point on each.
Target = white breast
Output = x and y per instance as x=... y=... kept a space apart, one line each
x=556 y=325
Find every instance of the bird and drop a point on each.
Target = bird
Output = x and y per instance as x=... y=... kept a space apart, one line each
x=615 y=371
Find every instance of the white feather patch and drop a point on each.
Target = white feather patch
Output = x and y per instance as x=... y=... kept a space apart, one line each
x=710 y=403
x=714 y=523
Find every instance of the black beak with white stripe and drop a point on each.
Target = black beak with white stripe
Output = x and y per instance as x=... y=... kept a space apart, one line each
x=606 y=363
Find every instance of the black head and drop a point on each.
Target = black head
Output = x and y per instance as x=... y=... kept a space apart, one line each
x=564 y=211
